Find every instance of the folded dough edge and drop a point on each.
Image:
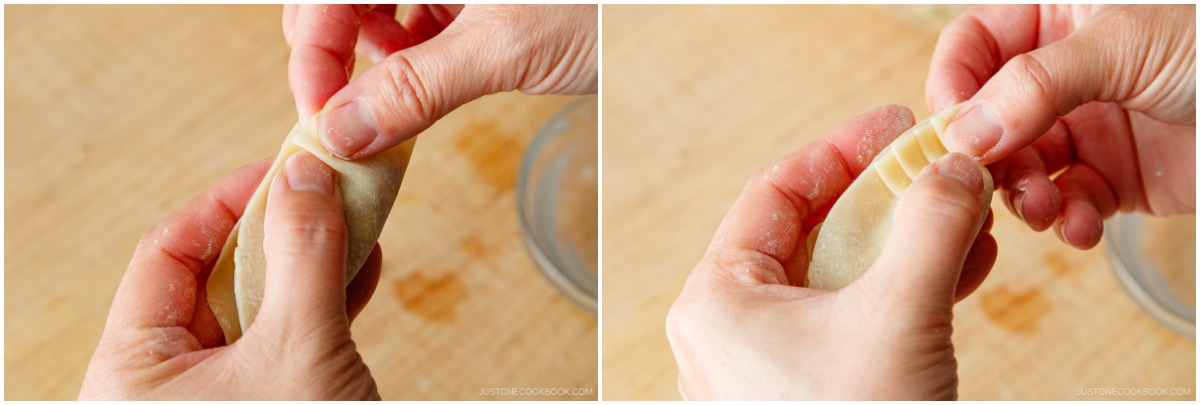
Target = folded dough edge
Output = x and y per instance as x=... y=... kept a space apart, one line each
x=368 y=186
x=850 y=239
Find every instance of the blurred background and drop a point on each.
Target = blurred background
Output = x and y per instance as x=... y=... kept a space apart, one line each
x=118 y=115
x=698 y=98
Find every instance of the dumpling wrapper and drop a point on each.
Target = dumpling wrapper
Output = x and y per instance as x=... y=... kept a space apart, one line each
x=368 y=187
x=858 y=224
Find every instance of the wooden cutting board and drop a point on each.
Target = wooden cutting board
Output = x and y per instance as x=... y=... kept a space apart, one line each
x=697 y=98
x=118 y=115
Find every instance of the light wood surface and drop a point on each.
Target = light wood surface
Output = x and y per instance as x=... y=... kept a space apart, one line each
x=697 y=98
x=116 y=116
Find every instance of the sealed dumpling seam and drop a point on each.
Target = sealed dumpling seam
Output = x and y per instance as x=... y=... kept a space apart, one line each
x=854 y=231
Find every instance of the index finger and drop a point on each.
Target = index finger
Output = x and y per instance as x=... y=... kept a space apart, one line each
x=323 y=38
x=765 y=225
x=974 y=46
x=159 y=286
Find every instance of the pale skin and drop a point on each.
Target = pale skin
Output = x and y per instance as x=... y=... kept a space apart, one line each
x=1105 y=92
x=437 y=59
x=162 y=341
x=744 y=328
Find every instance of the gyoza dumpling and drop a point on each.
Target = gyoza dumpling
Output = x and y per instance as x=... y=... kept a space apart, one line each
x=853 y=234
x=368 y=189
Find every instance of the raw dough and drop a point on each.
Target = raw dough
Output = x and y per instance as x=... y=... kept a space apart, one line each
x=368 y=188
x=850 y=239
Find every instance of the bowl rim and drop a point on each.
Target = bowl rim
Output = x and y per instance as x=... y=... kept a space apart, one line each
x=546 y=264
x=1168 y=311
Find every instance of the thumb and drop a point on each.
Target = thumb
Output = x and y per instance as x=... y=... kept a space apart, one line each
x=1133 y=56
x=934 y=227
x=410 y=90
x=305 y=248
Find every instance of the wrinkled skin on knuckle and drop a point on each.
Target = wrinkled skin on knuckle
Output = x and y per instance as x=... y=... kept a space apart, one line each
x=408 y=93
x=306 y=231
x=1034 y=81
x=1161 y=77
x=552 y=49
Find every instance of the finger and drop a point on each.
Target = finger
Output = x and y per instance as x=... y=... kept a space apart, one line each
x=1104 y=138
x=426 y=21
x=388 y=10
x=407 y=92
x=289 y=21
x=363 y=286
x=159 y=287
x=1024 y=176
x=1029 y=193
x=205 y=326
x=973 y=46
x=1028 y=94
x=305 y=247
x=381 y=35
x=322 y=59
x=1087 y=200
x=763 y=226
x=934 y=227
x=978 y=264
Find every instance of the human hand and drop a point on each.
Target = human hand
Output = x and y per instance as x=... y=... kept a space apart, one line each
x=162 y=341
x=744 y=328
x=1107 y=94
x=441 y=57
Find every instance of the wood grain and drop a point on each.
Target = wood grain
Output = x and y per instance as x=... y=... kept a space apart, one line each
x=697 y=98
x=117 y=115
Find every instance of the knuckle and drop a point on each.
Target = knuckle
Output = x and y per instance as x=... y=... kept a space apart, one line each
x=304 y=229
x=408 y=91
x=149 y=237
x=690 y=317
x=1033 y=78
x=678 y=323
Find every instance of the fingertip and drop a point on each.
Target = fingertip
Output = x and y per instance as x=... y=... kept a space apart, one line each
x=967 y=172
x=859 y=139
x=350 y=131
x=362 y=288
x=1039 y=202
x=381 y=35
x=975 y=130
x=899 y=113
x=322 y=57
x=934 y=226
x=289 y=21
x=978 y=264
x=1080 y=225
x=304 y=172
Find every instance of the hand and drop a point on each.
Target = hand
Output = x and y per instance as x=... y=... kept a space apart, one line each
x=162 y=340
x=440 y=58
x=1107 y=94
x=743 y=328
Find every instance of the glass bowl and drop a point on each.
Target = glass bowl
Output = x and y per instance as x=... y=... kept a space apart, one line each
x=558 y=201
x=1155 y=259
